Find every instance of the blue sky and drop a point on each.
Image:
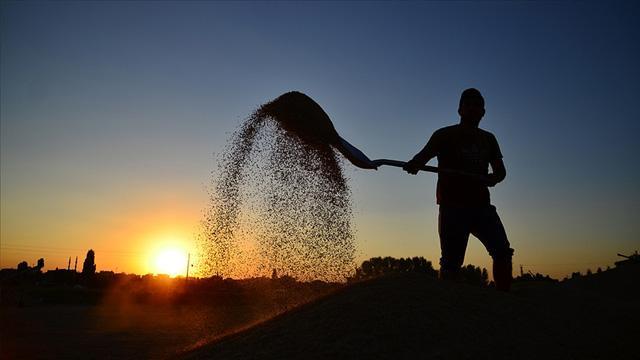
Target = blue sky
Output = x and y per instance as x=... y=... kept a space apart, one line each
x=111 y=110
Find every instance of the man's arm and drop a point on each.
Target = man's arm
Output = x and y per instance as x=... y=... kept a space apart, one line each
x=498 y=172
x=421 y=158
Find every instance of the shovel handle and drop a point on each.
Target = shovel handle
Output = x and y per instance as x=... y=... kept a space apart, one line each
x=433 y=169
x=398 y=163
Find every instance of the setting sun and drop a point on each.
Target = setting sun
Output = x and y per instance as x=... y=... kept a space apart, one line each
x=171 y=261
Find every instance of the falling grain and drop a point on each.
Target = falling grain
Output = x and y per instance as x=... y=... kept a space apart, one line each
x=280 y=200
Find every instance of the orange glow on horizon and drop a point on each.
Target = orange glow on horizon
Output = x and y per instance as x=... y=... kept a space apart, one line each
x=171 y=261
x=168 y=254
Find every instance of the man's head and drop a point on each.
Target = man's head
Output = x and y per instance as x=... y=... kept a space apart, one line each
x=471 y=107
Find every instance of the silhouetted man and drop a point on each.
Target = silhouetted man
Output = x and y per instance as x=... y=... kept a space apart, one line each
x=465 y=207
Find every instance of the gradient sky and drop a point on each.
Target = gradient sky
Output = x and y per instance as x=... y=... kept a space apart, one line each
x=112 y=113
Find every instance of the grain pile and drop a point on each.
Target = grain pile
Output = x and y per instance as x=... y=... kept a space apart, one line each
x=280 y=200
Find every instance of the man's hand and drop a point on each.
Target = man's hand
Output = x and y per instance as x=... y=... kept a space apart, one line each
x=491 y=180
x=412 y=167
x=498 y=172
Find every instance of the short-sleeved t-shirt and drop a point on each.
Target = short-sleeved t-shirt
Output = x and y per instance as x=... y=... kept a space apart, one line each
x=468 y=149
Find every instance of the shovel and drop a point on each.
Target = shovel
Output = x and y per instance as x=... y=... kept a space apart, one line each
x=299 y=114
x=359 y=159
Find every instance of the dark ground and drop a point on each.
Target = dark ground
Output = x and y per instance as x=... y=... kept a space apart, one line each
x=109 y=332
x=158 y=318
x=410 y=316
x=419 y=317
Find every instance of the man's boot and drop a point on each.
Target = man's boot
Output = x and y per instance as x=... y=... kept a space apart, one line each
x=502 y=273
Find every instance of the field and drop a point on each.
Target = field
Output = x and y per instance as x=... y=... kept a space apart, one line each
x=139 y=318
x=416 y=316
x=405 y=316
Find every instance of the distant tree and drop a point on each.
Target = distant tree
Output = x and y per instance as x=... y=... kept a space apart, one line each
x=89 y=266
x=367 y=268
x=40 y=264
x=378 y=266
x=599 y=270
x=534 y=277
x=589 y=272
x=287 y=279
x=485 y=275
x=474 y=275
x=274 y=274
x=23 y=266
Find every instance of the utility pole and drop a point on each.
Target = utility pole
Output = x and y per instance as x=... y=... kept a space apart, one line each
x=75 y=267
x=188 y=261
x=69 y=264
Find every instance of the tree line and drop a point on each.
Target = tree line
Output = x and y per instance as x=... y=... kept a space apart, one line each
x=388 y=266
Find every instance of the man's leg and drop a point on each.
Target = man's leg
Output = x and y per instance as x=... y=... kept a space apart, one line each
x=488 y=228
x=453 y=228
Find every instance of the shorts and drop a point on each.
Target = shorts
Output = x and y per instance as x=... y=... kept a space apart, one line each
x=454 y=226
